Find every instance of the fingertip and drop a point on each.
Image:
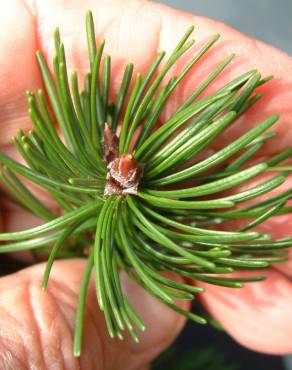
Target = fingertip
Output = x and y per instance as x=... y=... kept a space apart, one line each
x=258 y=316
x=162 y=324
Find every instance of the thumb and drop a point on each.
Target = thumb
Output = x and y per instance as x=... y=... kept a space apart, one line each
x=36 y=328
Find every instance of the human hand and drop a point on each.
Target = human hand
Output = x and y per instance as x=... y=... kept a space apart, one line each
x=36 y=327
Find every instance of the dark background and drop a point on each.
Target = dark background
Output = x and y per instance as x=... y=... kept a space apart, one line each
x=269 y=21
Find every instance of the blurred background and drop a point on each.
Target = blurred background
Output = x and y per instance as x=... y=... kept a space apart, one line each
x=267 y=20
x=271 y=22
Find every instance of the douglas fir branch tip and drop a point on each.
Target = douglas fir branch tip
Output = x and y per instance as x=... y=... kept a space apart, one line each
x=136 y=197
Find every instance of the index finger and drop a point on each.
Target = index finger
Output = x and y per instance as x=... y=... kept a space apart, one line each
x=134 y=31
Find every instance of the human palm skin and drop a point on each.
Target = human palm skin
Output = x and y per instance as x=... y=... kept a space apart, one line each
x=36 y=327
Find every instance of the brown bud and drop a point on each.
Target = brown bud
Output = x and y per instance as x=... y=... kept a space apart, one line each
x=124 y=173
x=110 y=143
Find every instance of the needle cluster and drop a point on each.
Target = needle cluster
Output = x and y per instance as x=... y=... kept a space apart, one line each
x=142 y=198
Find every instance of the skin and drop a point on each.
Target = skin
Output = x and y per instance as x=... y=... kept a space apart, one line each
x=36 y=327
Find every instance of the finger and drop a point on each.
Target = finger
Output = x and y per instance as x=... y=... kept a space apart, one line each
x=37 y=327
x=258 y=315
x=18 y=68
x=135 y=31
x=146 y=28
x=278 y=226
